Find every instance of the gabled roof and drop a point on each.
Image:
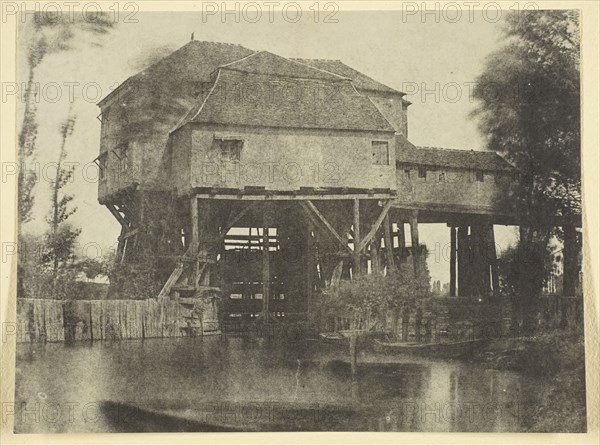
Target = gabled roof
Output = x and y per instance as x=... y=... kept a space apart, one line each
x=360 y=80
x=407 y=153
x=267 y=63
x=266 y=100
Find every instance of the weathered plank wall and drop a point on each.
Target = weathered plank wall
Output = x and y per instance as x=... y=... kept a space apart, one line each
x=42 y=320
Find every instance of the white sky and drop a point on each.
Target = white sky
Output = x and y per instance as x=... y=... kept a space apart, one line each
x=403 y=55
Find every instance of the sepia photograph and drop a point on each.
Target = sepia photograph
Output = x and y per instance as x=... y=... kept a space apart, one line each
x=297 y=217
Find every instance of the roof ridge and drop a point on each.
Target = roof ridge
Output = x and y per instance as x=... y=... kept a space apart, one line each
x=230 y=65
x=239 y=60
x=320 y=69
x=457 y=150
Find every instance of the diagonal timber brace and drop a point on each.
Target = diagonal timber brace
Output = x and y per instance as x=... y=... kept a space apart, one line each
x=313 y=212
x=365 y=241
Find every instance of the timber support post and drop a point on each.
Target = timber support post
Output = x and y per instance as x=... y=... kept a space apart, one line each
x=310 y=266
x=462 y=239
x=357 y=240
x=389 y=243
x=194 y=239
x=266 y=265
x=452 y=261
x=414 y=236
x=401 y=241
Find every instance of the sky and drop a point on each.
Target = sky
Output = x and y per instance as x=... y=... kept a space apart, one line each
x=434 y=63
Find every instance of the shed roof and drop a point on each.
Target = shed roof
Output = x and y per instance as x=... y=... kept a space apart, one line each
x=408 y=153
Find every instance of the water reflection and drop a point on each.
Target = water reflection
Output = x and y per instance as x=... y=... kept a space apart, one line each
x=256 y=384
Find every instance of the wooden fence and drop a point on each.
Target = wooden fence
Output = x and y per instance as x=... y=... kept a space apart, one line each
x=433 y=320
x=43 y=320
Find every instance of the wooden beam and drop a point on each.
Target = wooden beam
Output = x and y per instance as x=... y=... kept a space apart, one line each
x=121 y=245
x=463 y=261
x=266 y=267
x=494 y=262
x=128 y=234
x=193 y=250
x=364 y=242
x=389 y=247
x=116 y=214
x=452 y=261
x=297 y=197
x=309 y=259
x=401 y=240
x=357 y=241
x=166 y=289
x=310 y=207
x=414 y=236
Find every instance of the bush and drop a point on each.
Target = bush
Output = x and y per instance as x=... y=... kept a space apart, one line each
x=375 y=294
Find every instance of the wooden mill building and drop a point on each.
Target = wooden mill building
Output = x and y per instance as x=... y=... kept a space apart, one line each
x=262 y=179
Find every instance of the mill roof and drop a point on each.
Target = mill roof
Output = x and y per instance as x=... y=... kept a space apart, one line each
x=408 y=153
x=271 y=99
x=194 y=62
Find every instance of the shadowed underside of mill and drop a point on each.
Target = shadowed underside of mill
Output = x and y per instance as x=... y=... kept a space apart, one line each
x=262 y=179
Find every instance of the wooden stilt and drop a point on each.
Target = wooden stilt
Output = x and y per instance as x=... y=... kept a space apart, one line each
x=195 y=240
x=389 y=247
x=310 y=267
x=452 y=261
x=357 y=240
x=463 y=260
x=266 y=270
x=401 y=241
x=376 y=254
x=414 y=236
x=493 y=261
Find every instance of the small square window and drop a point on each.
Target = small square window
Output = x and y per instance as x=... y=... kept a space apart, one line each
x=380 y=153
x=231 y=149
x=422 y=172
x=479 y=175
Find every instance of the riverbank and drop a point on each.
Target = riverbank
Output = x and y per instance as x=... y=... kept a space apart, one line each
x=559 y=360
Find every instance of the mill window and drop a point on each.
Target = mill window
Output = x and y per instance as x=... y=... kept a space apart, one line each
x=479 y=176
x=231 y=149
x=380 y=153
x=422 y=172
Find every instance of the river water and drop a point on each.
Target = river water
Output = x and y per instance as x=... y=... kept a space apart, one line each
x=214 y=383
